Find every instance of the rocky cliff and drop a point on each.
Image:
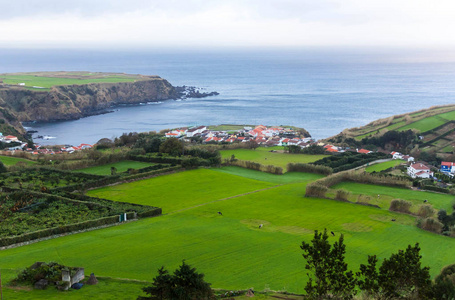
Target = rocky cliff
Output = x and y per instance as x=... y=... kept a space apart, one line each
x=68 y=102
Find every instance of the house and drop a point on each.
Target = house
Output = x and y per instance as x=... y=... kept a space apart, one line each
x=419 y=170
x=192 y=131
x=408 y=158
x=447 y=167
x=364 y=151
x=396 y=155
x=10 y=138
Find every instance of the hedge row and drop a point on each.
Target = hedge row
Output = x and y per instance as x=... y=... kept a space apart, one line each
x=157 y=159
x=59 y=230
x=309 y=168
x=255 y=166
x=436 y=189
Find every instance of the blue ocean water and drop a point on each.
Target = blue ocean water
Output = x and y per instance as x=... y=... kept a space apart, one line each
x=321 y=92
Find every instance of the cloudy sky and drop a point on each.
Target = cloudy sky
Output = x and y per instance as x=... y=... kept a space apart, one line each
x=226 y=23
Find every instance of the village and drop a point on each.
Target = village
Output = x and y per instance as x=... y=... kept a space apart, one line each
x=260 y=136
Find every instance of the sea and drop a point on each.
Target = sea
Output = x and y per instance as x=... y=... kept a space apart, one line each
x=321 y=90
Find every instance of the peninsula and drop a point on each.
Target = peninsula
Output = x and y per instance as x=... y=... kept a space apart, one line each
x=58 y=96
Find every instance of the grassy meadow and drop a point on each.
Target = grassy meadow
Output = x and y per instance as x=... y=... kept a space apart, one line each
x=230 y=249
x=383 y=166
x=10 y=160
x=121 y=166
x=263 y=156
x=49 y=81
x=387 y=194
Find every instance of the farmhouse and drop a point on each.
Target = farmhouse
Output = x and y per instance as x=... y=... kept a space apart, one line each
x=447 y=167
x=419 y=170
x=364 y=151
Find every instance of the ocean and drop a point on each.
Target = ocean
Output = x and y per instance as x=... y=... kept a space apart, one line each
x=321 y=91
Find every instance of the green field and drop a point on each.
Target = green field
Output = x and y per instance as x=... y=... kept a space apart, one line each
x=47 y=82
x=121 y=166
x=429 y=123
x=263 y=156
x=230 y=248
x=10 y=160
x=387 y=194
x=383 y=166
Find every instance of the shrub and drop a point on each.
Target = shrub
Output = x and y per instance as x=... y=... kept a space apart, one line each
x=309 y=168
x=342 y=195
x=425 y=211
x=315 y=190
x=400 y=205
x=431 y=224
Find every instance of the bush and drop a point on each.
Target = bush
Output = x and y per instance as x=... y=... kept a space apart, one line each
x=431 y=224
x=364 y=199
x=342 y=195
x=255 y=166
x=425 y=211
x=315 y=190
x=309 y=168
x=400 y=205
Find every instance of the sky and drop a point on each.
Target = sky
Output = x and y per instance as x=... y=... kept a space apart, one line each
x=226 y=23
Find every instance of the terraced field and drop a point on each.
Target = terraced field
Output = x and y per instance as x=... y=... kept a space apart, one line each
x=230 y=248
x=383 y=166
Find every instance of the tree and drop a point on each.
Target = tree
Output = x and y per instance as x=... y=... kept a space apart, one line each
x=172 y=146
x=3 y=169
x=252 y=144
x=113 y=170
x=400 y=276
x=445 y=283
x=331 y=277
x=184 y=284
x=161 y=286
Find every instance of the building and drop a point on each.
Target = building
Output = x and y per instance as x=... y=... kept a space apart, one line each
x=447 y=167
x=419 y=170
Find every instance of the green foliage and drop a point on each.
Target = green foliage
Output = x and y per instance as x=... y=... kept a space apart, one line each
x=399 y=277
x=445 y=283
x=184 y=284
x=349 y=160
x=313 y=149
x=51 y=271
x=2 y=168
x=397 y=140
x=172 y=146
x=331 y=278
x=400 y=205
x=315 y=190
x=431 y=224
x=309 y=168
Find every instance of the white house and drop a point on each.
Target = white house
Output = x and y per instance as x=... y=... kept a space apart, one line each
x=408 y=158
x=419 y=170
x=396 y=155
x=192 y=131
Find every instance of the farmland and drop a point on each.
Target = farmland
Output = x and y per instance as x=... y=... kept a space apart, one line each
x=10 y=160
x=263 y=156
x=121 y=166
x=48 y=79
x=230 y=249
x=383 y=166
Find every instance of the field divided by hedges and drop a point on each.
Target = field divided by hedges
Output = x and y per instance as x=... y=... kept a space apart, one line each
x=222 y=246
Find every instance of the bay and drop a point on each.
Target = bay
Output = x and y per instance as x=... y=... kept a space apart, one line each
x=321 y=91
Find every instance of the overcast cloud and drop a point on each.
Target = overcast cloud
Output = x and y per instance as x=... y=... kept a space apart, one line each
x=226 y=23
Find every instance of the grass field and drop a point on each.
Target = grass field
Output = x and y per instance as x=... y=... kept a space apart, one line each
x=121 y=166
x=230 y=248
x=263 y=156
x=383 y=166
x=48 y=82
x=10 y=161
x=387 y=194
x=430 y=122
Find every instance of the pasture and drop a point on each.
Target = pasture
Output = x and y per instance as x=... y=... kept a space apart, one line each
x=230 y=249
x=387 y=194
x=121 y=166
x=11 y=160
x=47 y=80
x=383 y=166
x=263 y=156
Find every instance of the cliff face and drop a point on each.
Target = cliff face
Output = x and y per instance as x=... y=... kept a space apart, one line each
x=75 y=101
